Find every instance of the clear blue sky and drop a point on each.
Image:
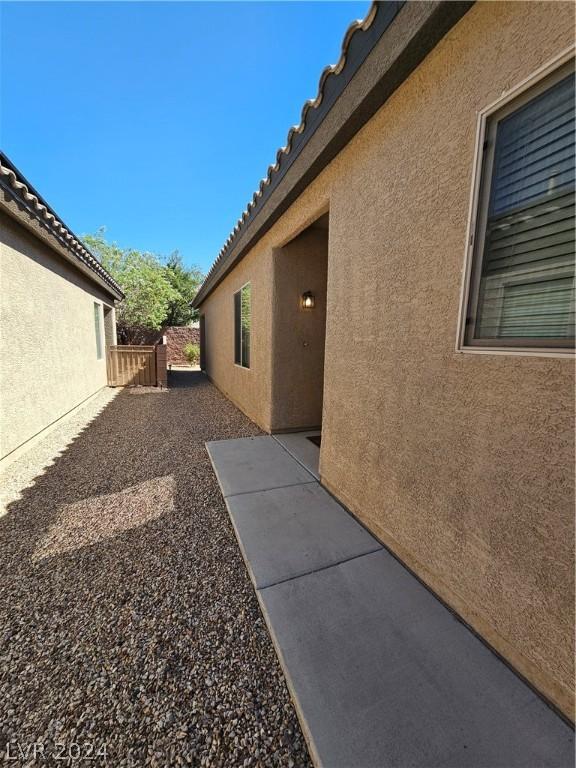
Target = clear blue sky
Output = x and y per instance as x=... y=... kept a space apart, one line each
x=158 y=120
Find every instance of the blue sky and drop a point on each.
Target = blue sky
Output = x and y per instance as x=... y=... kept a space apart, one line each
x=158 y=120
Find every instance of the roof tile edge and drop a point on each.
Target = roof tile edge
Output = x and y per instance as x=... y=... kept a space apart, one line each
x=335 y=69
x=57 y=227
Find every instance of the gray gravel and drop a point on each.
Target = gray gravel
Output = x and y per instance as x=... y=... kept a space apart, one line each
x=128 y=625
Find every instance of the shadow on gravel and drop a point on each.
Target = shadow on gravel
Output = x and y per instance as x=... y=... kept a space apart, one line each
x=128 y=623
x=186 y=379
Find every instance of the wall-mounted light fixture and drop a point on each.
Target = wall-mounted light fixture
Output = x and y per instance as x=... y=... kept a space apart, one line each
x=308 y=300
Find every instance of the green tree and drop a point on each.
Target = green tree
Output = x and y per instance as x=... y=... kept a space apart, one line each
x=143 y=278
x=186 y=282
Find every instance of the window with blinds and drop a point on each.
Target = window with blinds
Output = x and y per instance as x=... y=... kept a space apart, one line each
x=522 y=291
x=242 y=322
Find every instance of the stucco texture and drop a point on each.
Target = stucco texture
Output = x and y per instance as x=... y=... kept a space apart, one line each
x=47 y=336
x=463 y=464
x=249 y=388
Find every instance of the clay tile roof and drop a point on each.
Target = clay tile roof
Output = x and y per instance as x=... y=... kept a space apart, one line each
x=19 y=188
x=299 y=131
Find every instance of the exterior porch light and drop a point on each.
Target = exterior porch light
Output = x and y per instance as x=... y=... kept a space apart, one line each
x=308 y=300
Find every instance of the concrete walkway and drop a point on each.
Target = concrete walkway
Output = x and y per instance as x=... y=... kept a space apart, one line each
x=381 y=673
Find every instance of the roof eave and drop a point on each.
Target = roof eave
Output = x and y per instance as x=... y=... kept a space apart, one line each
x=399 y=36
x=23 y=195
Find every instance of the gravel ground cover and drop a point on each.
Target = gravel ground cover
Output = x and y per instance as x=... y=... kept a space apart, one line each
x=21 y=472
x=129 y=630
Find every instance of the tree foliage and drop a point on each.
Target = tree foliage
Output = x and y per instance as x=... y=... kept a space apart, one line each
x=192 y=352
x=157 y=293
x=186 y=282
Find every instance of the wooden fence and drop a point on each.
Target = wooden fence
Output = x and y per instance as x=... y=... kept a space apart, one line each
x=131 y=366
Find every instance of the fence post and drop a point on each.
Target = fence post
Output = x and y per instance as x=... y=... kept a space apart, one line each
x=161 y=372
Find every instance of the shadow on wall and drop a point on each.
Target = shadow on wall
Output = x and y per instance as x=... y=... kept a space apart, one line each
x=40 y=452
x=299 y=333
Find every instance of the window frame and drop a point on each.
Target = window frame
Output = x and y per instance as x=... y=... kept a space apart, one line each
x=202 y=321
x=98 y=328
x=508 y=103
x=241 y=364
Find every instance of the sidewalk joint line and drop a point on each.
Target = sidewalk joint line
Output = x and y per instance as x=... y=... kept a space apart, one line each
x=377 y=548
x=317 y=479
x=274 y=488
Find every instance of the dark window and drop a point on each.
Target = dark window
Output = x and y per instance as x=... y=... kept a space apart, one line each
x=202 y=343
x=522 y=289
x=242 y=312
x=237 y=329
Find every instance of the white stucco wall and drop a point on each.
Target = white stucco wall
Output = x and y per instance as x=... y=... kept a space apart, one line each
x=49 y=363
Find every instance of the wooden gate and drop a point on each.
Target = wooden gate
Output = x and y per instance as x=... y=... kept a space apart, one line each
x=131 y=365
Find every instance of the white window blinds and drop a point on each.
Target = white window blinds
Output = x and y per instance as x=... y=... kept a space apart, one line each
x=526 y=287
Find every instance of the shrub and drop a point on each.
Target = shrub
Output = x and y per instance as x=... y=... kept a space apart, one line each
x=192 y=352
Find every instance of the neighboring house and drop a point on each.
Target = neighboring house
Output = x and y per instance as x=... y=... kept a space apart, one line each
x=425 y=208
x=56 y=315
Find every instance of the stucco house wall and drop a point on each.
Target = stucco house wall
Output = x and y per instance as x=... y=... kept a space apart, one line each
x=249 y=388
x=47 y=336
x=463 y=464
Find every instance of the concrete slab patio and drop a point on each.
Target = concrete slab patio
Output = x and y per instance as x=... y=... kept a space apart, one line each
x=256 y=464
x=381 y=672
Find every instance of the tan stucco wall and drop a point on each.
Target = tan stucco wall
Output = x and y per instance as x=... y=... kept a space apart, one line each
x=249 y=388
x=299 y=334
x=463 y=464
x=47 y=336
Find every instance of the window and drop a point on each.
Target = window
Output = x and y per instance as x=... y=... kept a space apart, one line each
x=202 y=342
x=108 y=325
x=242 y=326
x=522 y=281
x=98 y=330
